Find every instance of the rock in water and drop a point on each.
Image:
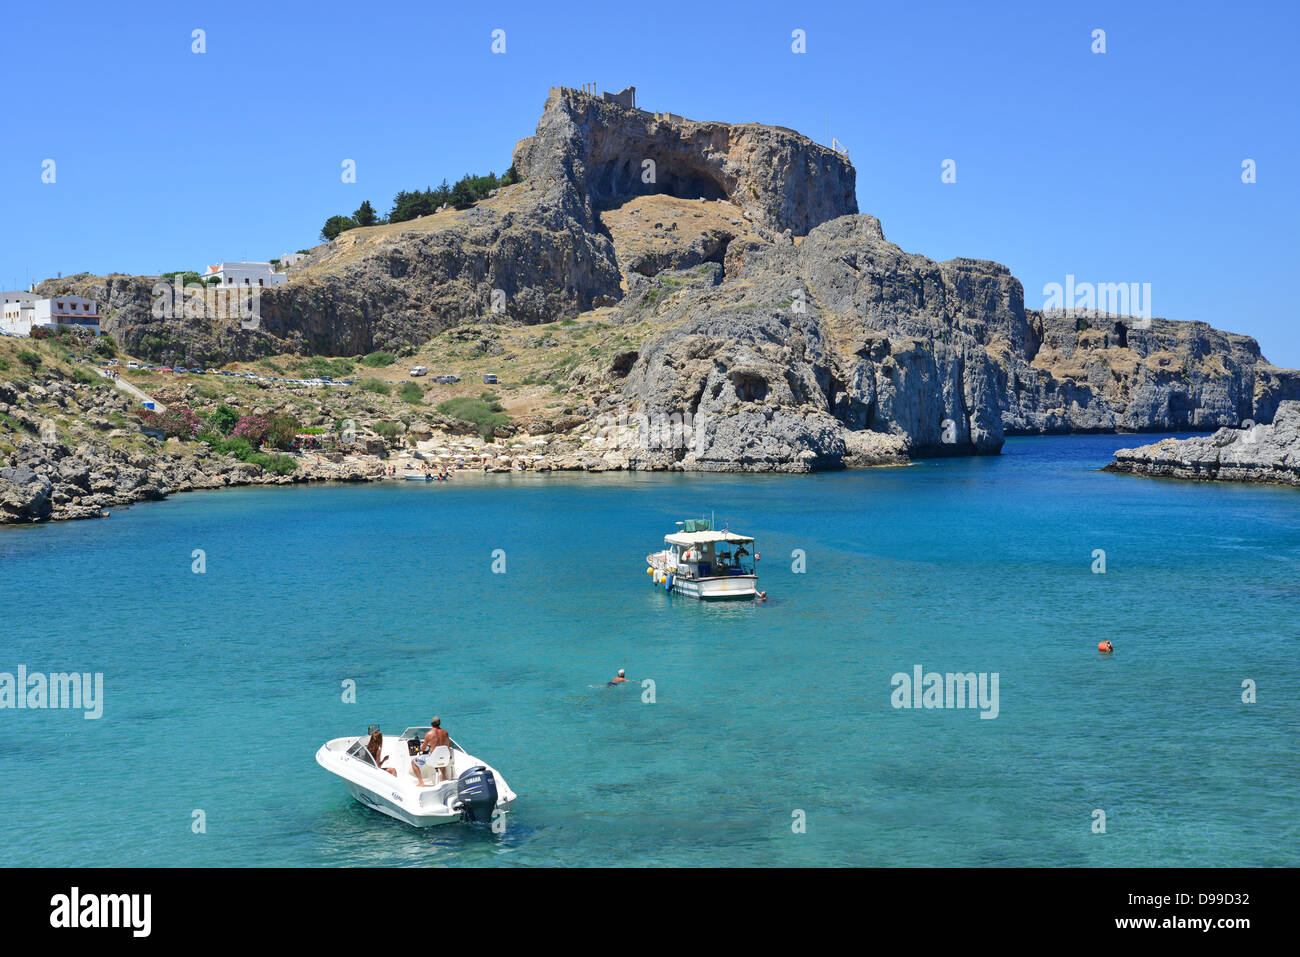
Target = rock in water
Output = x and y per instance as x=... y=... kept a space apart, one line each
x=1260 y=453
x=25 y=496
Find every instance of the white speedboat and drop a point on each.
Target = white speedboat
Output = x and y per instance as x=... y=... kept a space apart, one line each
x=471 y=791
x=702 y=563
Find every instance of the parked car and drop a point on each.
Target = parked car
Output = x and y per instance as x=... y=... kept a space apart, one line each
x=133 y=365
x=489 y=378
x=447 y=379
x=419 y=370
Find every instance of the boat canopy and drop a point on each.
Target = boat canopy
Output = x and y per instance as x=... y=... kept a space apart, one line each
x=701 y=538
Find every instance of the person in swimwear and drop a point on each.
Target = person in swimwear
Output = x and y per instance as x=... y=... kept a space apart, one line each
x=619 y=679
x=376 y=749
x=436 y=737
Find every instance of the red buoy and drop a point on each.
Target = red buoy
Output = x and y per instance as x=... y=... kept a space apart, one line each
x=1105 y=647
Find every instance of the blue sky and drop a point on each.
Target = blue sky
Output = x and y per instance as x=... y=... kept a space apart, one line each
x=1115 y=167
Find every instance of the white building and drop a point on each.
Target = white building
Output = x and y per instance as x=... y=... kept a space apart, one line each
x=246 y=274
x=12 y=309
x=291 y=259
x=24 y=311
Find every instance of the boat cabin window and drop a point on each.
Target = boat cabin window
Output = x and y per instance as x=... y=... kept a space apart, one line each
x=715 y=559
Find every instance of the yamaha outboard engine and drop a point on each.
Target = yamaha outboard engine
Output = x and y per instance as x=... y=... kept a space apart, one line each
x=477 y=791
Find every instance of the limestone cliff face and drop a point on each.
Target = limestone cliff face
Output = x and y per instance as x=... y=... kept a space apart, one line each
x=842 y=334
x=602 y=152
x=1104 y=373
x=850 y=351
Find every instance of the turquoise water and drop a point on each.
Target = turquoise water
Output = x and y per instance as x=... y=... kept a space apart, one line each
x=220 y=687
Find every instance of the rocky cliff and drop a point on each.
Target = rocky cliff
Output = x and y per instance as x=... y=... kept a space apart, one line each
x=781 y=323
x=1260 y=453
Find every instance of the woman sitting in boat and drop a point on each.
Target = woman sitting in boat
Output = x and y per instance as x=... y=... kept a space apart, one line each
x=376 y=749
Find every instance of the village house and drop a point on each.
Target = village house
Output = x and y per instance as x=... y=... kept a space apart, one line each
x=245 y=274
x=24 y=311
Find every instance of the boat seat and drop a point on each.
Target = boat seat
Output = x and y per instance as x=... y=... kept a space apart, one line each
x=439 y=758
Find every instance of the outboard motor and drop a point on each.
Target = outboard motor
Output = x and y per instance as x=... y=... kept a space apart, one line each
x=477 y=791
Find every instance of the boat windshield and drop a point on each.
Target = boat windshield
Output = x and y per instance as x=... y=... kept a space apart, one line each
x=359 y=751
x=419 y=733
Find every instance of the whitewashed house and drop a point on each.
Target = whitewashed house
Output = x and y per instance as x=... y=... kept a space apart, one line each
x=12 y=306
x=24 y=312
x=291 y=259
x=246 y=274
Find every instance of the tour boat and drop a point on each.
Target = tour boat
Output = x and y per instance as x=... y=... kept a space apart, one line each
x=414 y=476
x=472 y=790
x=700 y=562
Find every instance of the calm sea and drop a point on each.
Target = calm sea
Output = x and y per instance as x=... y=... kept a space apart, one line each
x=771 y=739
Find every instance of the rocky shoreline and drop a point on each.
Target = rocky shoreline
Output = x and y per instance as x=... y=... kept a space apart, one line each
x=1260 y=453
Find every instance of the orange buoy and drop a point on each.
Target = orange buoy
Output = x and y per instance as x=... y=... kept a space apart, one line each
x=1105 y=647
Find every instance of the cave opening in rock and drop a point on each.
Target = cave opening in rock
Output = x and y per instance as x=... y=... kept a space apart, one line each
x=749 y=386
x=626 y=177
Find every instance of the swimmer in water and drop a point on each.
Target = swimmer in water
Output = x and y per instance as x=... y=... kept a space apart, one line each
x=619 y=679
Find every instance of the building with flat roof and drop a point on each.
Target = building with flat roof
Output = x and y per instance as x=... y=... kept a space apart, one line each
x=245 y=274
x=20 y=313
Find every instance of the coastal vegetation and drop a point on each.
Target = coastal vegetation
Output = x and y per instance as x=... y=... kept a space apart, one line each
x=412 y=204
x=318 y=367
x=483 y=412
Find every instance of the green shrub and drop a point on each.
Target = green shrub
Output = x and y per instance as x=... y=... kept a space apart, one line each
x=284 y=428
x=378 y=386
x=242 y=450
x=187 y=276
x=317 y=367
x=389 y=430
x=411 y=392
x=484 y=415
x=277 y=464
x=223 y=420
x=30 y=359
x=377 y=360
x=225 y=446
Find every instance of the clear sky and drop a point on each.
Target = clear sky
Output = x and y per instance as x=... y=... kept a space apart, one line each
x=1123 y=166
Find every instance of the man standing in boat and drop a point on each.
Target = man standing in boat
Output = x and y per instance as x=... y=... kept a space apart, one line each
x=436 y=737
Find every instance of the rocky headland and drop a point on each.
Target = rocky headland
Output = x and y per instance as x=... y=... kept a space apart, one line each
x=1257 y=453
x=664 y=293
